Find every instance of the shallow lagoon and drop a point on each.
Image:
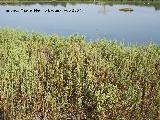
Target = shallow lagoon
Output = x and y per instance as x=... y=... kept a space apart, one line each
x=93 y=20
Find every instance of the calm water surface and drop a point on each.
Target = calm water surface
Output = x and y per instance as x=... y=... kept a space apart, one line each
x=93 y=20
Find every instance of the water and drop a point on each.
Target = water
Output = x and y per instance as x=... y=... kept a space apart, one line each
x=93 y=20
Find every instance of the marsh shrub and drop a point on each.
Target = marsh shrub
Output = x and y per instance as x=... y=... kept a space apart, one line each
x=47 y=77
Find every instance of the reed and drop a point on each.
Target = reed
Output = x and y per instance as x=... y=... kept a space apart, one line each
x=49 y=77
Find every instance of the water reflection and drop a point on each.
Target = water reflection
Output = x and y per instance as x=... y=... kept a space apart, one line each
x=104 y=9
x=154 y=4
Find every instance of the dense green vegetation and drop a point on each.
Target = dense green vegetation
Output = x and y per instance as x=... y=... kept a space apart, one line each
x=79 y=0
x=55 y=78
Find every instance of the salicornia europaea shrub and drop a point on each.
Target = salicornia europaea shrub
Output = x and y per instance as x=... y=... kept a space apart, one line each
x=48 y=77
